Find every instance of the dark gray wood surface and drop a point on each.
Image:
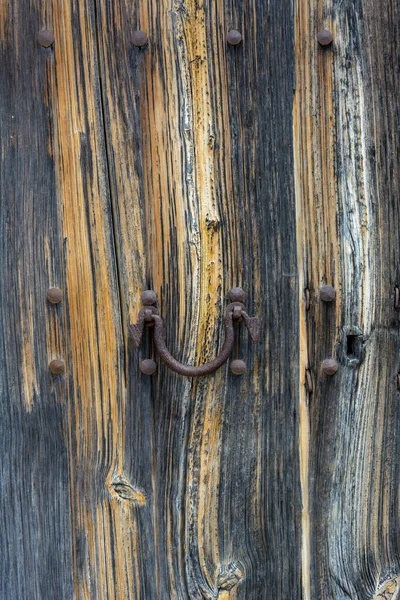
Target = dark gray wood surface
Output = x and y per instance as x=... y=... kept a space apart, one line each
x=190 y=166
x=347 y=151
x=36 y=535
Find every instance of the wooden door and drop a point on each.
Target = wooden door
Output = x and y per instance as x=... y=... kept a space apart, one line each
x=188 y=165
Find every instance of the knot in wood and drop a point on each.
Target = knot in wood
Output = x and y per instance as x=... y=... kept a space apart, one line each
x=229 y=576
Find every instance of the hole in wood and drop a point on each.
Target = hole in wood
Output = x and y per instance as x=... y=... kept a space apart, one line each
x=350 y=350
x=351 y=345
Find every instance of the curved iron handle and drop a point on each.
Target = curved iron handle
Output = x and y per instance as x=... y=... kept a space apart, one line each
x=235 y=311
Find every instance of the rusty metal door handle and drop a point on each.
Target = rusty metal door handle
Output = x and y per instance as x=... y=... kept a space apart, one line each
x=235 y=312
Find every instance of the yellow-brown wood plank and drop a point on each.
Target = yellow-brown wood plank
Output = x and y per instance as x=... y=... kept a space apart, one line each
x=102 y=496
x=204 y=201
x=346 y=156
x=62 y=434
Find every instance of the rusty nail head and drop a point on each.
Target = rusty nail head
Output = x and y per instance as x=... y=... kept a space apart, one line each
x=46 y=38
x=234 y=37
x=149 y=297
x=325 y=37
x=148 y=366
x=309 y=382
x=57 y=367
x=237 y=295
x=329 y=366
x=238 y=367
x=307 y=294
x=140 y=39
x=327 y=293
x=54 y=295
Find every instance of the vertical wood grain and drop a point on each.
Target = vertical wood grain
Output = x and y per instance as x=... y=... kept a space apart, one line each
x=346 y=115
x=203 y=201
x=60 y=477
x=104 y=546
x=36 y=537
x=185 y=167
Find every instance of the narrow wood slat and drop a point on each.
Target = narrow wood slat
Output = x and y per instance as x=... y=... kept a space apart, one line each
x=61 y=479
x=36 y=537
x=347 y=147
x=104 y=553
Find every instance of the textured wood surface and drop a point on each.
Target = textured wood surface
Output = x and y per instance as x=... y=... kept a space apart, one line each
x=202 y=202
x=346 y=155
x=61 y=434
x=189 y=166
x=36 y=536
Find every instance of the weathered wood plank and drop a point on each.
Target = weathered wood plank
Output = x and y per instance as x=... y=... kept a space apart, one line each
x=61 y=479
x=35 y=533
x=104 y=548
x=347 y=150
x=199 y=139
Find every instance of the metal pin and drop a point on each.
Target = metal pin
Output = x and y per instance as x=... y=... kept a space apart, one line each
x=140 y=39
x=54 y=295
x=234 y=37
x=149 y=298
x=238 y=367
x=308 y=300
x=237 y=295
x=148 y=366
x=46 y=38
x=325 y=37
x=57 y=367
x=327 y=293
x=309 y=382
x=330 y=366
